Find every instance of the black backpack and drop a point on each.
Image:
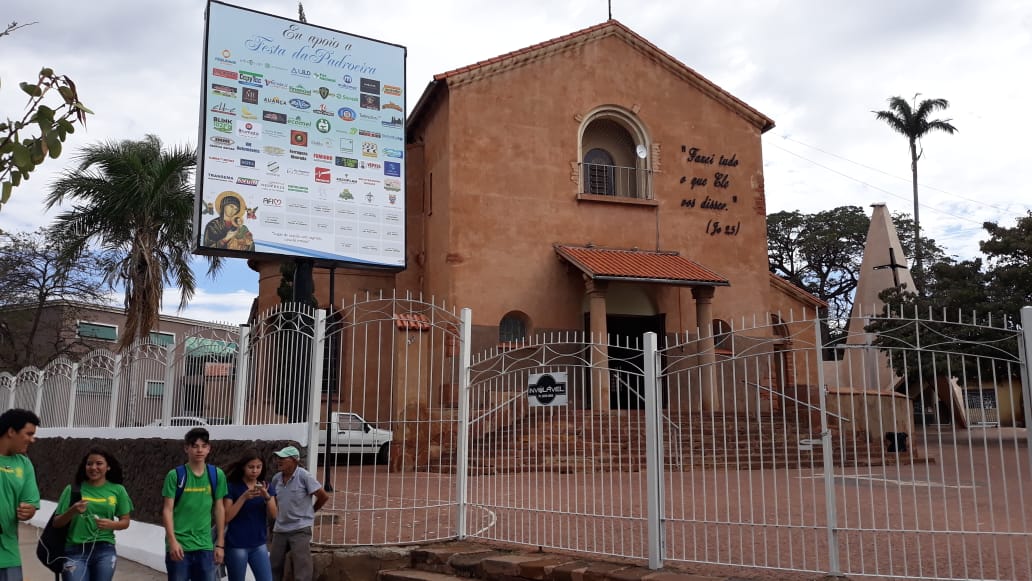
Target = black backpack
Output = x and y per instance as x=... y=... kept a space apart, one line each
x=51 y=546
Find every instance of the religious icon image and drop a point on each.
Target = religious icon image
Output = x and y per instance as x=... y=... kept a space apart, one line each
x=227 y=230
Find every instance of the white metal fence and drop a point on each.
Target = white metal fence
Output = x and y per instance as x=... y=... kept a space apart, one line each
x=754 y=448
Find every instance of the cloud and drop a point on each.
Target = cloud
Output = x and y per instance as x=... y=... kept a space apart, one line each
x=232 y=308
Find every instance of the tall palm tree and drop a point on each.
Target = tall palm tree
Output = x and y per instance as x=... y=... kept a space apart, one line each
x=135 y=199
x=913 y=123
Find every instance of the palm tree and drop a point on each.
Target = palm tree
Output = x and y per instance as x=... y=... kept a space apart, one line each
x=913 y=123
x=134 y=199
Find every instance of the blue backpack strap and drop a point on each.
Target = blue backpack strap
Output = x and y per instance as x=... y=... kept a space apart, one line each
x=213 y=476
x=180 y=482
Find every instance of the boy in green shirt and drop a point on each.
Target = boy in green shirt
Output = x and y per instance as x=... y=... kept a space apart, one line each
x=19 y=495
x=187 y=514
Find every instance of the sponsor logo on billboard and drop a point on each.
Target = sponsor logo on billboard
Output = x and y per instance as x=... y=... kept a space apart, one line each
x=392 y=168
x=322 y=110
x=223 y=90
x=369 y=149
x=393 y=90
x=368 y=117
x=298 y=138
x=246 y=162
x=369 y=165
x=369 y=85
x=324 y=78
x=322 y=125
x=248 y=129
x=299 y=72
x=369 y=182
x=392 y=185
x=300 y=90
x=273 y=186
x=249 y=79
x=347 y=145
x=298 y=121
x=218 y=159
x=346 y=114
x=248 y=147
x=249 y=95
x=322 y=175
x=274 y=151
x=300 y=104
x=395 y=153
x=391 y=105
x=322 y=157
x=247 y=181
x=219 y=177
x=297 y=189
x=273 y=133
x=274 y=202
x=222 y=124
x=370 y=102
x=346 y=162
x=346 y=179
x=275 y=84
x=297 y=171
x=224 y=109
x=367 y=133
x=225 y=57
x=298 y=155
x=224 y=74
x=275 y=101
x=221 y=142
x=274 y=116
x=393 y=123
x=246 y=113
x=272 y=168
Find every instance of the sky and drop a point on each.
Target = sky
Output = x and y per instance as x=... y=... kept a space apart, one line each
x=818 y=68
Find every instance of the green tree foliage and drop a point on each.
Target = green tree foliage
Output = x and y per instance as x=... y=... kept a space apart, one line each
x=42 y=129
x=1009 y=251
x=35 y=275
x=912 y=122
x=821 y=253
x=133 y=199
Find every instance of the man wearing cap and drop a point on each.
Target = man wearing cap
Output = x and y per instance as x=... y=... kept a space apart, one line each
x=292 y=532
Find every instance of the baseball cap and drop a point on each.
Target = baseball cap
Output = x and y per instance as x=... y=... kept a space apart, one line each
x=288 y=452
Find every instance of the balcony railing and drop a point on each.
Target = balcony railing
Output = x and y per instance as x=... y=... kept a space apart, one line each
x=613 y=180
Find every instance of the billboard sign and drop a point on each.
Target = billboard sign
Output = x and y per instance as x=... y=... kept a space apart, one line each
x=546 y=390
x=301 y=139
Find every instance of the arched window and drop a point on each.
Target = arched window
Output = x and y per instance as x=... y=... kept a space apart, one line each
x=512 y=328
x=599 y=173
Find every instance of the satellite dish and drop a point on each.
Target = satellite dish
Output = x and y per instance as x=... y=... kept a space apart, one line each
x=641 y=151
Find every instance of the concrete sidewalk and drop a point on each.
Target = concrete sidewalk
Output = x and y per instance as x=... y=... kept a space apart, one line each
x=33 y=570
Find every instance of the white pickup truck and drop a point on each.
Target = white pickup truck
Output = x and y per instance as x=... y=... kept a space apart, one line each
x=350 y=434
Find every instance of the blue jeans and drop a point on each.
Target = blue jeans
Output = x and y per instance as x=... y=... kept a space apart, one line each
x=91 y=562
x=11 y=574
x=238 y=558
x=195 y=566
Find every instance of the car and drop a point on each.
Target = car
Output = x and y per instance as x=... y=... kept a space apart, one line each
x=351 y=434
x=189 y=421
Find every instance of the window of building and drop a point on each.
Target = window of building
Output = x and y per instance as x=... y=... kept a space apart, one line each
x=154 y=389
x=512 y=328
x=93 y=385
x=614 y=160
x=97 y=331
x=163 y=339
x=721 y=336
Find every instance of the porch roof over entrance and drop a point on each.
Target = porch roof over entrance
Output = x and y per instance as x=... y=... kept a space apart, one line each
x=614 y=264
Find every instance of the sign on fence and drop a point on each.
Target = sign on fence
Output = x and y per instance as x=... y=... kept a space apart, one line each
x=547 y=389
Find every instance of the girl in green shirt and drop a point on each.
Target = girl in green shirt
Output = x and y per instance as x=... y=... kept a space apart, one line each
x=93 y=520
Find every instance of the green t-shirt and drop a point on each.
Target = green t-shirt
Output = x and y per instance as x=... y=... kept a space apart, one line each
x=191 y=517
x=106 y=501
x=17 y=484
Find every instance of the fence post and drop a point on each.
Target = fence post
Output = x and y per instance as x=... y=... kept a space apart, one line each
x=315 y=387
x=834 y=567
x=168 y=390
x=240 y=386
x=1026 y=359
x=37 y=402
x=116 y=377
x=71 y=394
x=653 y=452
x=462 y=453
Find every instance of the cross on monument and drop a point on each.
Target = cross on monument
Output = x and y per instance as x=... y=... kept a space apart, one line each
x=895 y=266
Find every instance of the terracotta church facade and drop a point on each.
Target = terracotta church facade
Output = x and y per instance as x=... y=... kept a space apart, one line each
x=588 y=183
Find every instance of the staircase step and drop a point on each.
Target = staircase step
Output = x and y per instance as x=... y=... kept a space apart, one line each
x=416 y=575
